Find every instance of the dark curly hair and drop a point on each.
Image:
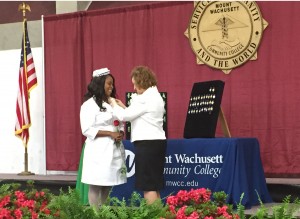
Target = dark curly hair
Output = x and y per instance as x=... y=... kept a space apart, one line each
x=96 y=90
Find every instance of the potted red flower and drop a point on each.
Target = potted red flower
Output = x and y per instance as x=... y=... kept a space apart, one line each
x=198 y=204
x=29 y=203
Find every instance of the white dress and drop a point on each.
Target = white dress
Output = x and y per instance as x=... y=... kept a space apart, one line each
x=103 y=161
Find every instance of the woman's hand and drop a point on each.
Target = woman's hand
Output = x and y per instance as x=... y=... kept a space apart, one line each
x=122 y=134
x=119 y=102
x=112 y=101
x=117 y=136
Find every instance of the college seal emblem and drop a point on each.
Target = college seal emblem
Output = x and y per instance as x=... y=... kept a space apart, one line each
x=225 y=35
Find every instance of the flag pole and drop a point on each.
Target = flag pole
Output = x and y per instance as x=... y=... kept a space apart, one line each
x=23 y=7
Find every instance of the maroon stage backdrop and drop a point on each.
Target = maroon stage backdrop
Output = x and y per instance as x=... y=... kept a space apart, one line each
x=260 y=99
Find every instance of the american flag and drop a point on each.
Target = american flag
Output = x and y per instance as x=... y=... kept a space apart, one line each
x=27 y=81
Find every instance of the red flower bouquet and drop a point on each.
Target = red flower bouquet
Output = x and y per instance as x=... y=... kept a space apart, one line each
x=118 y=143
x=117 y=125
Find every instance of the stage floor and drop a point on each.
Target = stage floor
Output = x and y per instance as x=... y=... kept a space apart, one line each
x=34 y=177
x=72 y=177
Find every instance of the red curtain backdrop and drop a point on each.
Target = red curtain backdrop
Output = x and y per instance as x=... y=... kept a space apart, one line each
x=260 y=98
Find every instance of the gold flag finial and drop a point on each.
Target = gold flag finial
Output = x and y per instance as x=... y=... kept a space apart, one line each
x=24 y=7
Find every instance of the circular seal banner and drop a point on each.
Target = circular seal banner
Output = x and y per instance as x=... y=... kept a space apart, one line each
x=225 y=35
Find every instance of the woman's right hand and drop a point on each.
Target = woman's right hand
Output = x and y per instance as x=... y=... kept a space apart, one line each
x=117 y=136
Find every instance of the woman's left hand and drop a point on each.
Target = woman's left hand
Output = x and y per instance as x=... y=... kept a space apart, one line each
x=120 y=103
x=122 y=134
x=111 y=101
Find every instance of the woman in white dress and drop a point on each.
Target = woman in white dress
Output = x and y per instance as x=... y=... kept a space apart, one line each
x=104 y=154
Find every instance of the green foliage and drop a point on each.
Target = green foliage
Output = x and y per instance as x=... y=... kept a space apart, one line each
x=136 y=208
x=6 y=189
x=240 y=210
x=67 y=205
x=219 y=198
x=285 y=210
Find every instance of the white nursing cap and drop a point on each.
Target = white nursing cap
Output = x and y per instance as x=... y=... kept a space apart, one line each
x=101 y=72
